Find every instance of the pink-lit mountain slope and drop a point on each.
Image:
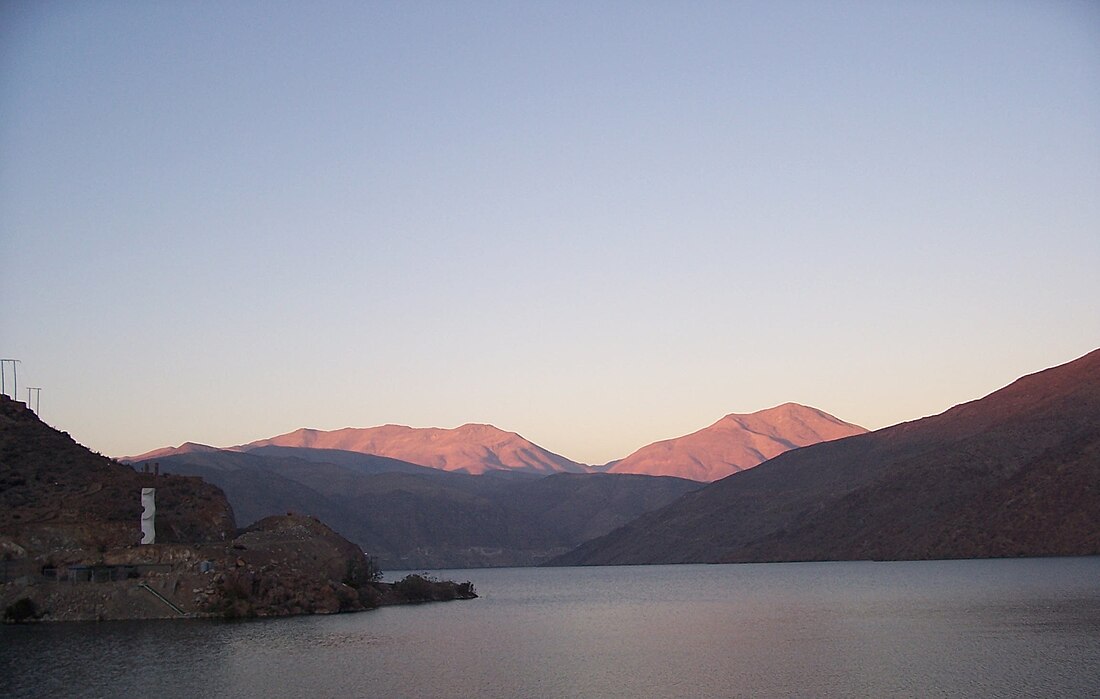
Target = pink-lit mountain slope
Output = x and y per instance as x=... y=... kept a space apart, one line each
x=736 y=442
x=474 y=449
x=185 y=448
x=1016 y=473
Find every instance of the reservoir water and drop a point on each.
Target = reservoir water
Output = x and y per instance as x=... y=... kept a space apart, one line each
x=996 y=628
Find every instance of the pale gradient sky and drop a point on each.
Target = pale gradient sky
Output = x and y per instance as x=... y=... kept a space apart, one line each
x=597 y=224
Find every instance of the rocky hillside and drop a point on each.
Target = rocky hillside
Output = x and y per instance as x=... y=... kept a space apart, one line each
x=1016 y=473
x=70 y=516
x=55 y=493
x=736 y=442
x=290 y=564
x=284 y=565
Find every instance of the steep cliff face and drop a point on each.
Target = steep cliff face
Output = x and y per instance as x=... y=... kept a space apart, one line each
x=54 y=493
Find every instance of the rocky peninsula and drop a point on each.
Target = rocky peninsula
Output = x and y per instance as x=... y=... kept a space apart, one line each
x=69 y=541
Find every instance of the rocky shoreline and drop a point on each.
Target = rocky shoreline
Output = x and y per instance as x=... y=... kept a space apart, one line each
x=116 y=600
x=71 y=520
x=282 y=566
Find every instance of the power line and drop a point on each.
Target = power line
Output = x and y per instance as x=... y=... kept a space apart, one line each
x=37 y=399
x=14 y=377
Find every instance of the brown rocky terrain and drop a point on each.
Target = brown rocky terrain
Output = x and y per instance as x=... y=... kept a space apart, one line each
x=281 y=566
x=1016 y=473
x=55 y=493
x=735 y=443
x=70 y=526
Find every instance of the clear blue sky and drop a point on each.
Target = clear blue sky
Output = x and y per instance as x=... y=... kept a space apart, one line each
x=597 y=224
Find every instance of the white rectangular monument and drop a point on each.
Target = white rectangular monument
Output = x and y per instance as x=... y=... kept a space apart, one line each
x=148 y=513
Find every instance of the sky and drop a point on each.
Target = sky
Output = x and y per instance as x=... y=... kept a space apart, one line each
x=597 y=224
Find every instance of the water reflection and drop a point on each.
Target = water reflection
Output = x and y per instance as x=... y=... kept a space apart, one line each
x=977 y=628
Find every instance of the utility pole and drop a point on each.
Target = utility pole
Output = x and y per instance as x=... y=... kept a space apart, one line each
x=14 y=378
x=37 y=398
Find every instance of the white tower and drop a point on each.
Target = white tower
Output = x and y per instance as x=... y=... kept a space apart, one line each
x=148 y=512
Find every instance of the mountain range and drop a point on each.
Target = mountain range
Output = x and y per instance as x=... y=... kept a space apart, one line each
x=734 y=443
x=1016 y=473
x=476 y=495
x=471 y=448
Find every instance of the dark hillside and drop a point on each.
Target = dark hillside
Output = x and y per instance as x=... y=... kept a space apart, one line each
x=55 y=493
x=70 y=523
x=1015 y=473
x=416 y=517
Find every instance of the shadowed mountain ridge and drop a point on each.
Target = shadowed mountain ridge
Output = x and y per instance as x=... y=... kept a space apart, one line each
x=1014 y=473
x=418 y=517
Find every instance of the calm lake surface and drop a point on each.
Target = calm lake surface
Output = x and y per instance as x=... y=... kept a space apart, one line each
x=1027 y=627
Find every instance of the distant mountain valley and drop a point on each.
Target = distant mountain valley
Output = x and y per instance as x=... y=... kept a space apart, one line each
x=477 y=495
x=1016 y=473
x=408 y=516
